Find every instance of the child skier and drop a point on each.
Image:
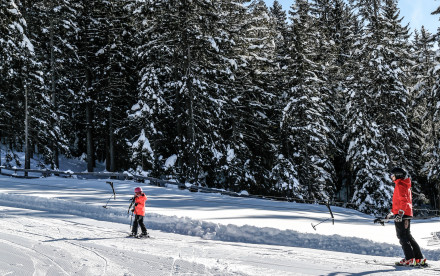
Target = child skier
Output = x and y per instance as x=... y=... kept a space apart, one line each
x=402 y=212
x=139 y=200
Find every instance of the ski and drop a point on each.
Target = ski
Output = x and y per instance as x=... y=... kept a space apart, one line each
x=140 y=236
x=375 y=262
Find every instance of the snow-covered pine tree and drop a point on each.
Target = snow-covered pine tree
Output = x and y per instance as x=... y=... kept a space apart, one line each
x=181 y=93
x=117 y=84
x=378 y=136
x=25 y=93
x=421 y=84
x=52 y=34
x=432 y=153
x=251 y=146
x=233 y=170
x=349 y=58
x=398 y=59
x=283 y=175
x=342 y=29
x=13 y=45
x=304 y=120
x=337 y=30
x=91 y=42
x=152 y=116
x=279 y=18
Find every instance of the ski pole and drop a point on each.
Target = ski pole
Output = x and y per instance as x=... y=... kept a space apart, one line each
x=131 y=204
x=330 y=218
x=383 y=220
x=314 y=226
x=105 y=206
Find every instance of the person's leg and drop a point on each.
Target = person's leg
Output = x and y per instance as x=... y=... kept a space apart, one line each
x=135 y=224
x=415 y=246
x=402 y=235
x=142 y=225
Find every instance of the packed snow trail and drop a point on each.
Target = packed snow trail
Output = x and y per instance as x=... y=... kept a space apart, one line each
x=44 y=243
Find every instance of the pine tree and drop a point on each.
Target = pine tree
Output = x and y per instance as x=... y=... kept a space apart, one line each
x=283 y=173
x=421 y=104
x=151 y=116
x=377 y=117
x=117 y=83
x=91 y=43
x=337 y=30
x=251 y=147
x=52 y=32
x=181 y=94
x=234 y=171
x=432 y=152
x=14 y=46
x=25 y=82
x=304 y=121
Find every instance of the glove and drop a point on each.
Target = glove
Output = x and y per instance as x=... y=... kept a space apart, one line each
x=390 y=215
x=399 y=216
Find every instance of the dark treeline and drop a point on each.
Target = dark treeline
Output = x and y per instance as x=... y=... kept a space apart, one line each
x=318 y=102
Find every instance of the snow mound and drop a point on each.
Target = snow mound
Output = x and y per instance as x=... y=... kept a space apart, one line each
x=210 y=230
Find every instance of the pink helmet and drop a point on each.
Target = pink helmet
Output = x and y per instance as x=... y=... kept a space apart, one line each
x=138 y=190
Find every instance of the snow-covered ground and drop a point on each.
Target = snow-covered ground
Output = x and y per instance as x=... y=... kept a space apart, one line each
x=57 y=226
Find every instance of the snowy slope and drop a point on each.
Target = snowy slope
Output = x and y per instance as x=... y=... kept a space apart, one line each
x=62 y=229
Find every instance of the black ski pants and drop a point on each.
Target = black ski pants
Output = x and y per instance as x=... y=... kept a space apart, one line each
x=138 y=221
x=410 y=247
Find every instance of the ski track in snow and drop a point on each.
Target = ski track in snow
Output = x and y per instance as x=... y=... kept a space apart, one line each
x=68 y=245
x=54 y=226
x=213 y=231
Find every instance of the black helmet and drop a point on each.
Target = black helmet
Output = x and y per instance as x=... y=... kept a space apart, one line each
x=399 y=173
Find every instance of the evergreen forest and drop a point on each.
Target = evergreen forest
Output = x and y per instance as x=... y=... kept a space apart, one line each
x=317 y=103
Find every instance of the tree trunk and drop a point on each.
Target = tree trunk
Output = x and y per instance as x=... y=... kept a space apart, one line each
x=90 y=159
x=55 y=164
x=111 y=141
x=27 y=158
x=89 y=125
x=191 y=128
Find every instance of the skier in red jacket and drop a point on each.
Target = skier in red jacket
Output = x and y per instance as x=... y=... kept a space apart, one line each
x=402 y=212
x=139 y=211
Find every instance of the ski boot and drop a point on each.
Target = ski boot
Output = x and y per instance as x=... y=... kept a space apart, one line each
x=144 y=235
x=404 y=262
x=421 y=262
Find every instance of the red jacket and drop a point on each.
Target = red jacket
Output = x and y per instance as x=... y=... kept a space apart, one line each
x=402 y=197
x=139 y=207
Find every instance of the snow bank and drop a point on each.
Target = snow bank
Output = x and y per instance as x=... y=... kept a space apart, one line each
x=212 y=231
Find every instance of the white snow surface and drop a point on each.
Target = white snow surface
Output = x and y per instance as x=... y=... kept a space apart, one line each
x=58 y=226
